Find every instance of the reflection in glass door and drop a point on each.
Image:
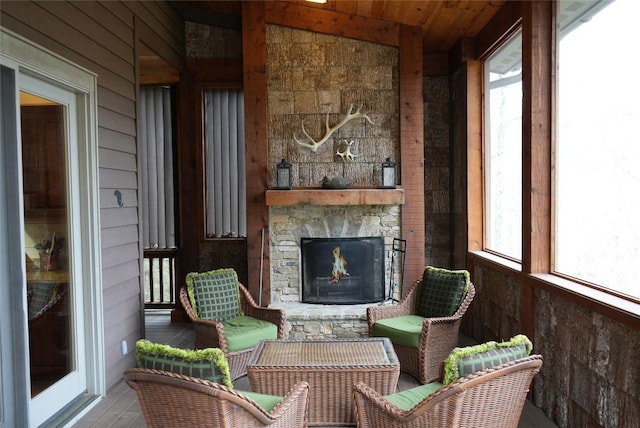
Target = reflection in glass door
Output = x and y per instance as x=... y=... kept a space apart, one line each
x=46 y=234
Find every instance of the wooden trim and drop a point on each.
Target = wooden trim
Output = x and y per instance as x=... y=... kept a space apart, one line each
x=536 y=142
x=335 y=197
x=171 y=58
x=435 y=64
x=599 y=302
x=475 y=156
x=464 y=50
x=254 y=53
x=334 y=23
x=412 y=151
x=190 y=218
x=218 y=70
x=499 y=29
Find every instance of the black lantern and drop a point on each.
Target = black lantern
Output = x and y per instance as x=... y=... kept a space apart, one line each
x=388 y=174
x=283 y=175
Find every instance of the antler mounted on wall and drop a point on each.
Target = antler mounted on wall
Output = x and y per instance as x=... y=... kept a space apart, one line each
x=314 y=145
x=347 y=155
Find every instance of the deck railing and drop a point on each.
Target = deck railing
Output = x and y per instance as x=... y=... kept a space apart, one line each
x=159 y=278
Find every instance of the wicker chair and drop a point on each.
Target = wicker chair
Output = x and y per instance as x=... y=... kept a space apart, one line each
x=492 y=398
x=173 y=400
x=211 y=333
x=437 y=337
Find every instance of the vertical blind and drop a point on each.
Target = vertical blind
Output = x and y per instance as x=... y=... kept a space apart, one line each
x=226 y=212
x=157 y=163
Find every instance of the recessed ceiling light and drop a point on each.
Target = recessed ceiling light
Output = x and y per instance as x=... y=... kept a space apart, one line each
x=317 y=1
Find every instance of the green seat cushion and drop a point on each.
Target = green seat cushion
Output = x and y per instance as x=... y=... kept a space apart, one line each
x=214 y=295
x=403 y=330
x=464 y=361
x=267 y=402
x=408 y=399
x=244 y=332
x=441 y=292
x=208 y=364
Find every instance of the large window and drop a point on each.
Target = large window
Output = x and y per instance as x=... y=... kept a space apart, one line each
x=597 y=181
x=503 y=150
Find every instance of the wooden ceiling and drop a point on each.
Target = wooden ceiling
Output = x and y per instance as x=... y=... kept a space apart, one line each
x=443 y=22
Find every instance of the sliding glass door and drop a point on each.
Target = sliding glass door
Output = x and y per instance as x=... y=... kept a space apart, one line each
x=57 y=369
x=52 y=352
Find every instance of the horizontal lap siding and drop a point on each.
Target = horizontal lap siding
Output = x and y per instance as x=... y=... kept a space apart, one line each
x=101 y=36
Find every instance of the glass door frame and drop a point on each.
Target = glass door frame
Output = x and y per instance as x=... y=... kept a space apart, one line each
x=27 y=59
x=72 y=384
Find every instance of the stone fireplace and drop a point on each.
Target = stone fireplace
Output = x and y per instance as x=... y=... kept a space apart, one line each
x=314 y=80
x=290 y=226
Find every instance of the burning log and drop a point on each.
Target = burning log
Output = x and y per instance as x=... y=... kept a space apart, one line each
x=339 y=266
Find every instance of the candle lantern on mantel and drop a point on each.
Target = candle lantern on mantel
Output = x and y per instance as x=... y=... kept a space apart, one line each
x=283 y=175
x=388 y=174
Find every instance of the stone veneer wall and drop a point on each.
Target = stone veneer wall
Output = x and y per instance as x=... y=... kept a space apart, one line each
x=288 y=225
x=310 y=75
x=437 y=173
x=590 y=374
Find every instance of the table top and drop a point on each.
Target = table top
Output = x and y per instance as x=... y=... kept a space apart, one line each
x=327 y=353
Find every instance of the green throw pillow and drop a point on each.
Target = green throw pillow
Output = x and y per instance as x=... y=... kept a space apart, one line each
x=464 y=361
x=208 y=364
x=214 y=295
x=441 y=292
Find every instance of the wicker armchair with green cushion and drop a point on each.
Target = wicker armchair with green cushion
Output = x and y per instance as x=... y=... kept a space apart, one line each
x=424 y=325
x=179 y=387
x=484 y=386
x=225 y=316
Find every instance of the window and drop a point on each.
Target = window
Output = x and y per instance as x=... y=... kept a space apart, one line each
x=226 y=211
x=503 y=149
x=597 y=183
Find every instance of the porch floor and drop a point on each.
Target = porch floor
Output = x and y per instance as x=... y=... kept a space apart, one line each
x=120 y=407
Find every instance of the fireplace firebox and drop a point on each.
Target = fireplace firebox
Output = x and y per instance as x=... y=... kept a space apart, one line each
x=342 y=270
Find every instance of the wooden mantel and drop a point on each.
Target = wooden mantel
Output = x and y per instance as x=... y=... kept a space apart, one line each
x=319 y=196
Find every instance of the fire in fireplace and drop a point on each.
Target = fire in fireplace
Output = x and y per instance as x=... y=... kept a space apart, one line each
x=342 y=270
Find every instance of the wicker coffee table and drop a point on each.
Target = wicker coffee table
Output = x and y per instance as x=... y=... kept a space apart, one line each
x=330 y=367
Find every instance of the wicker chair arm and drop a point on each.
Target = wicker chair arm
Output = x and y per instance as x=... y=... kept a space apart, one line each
x=373 y=400
x=296 y=401
x=466 y=302
x=186 y=304
x=209 y=334
x=250 y=308
x=405 y=306
x=439 y=325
